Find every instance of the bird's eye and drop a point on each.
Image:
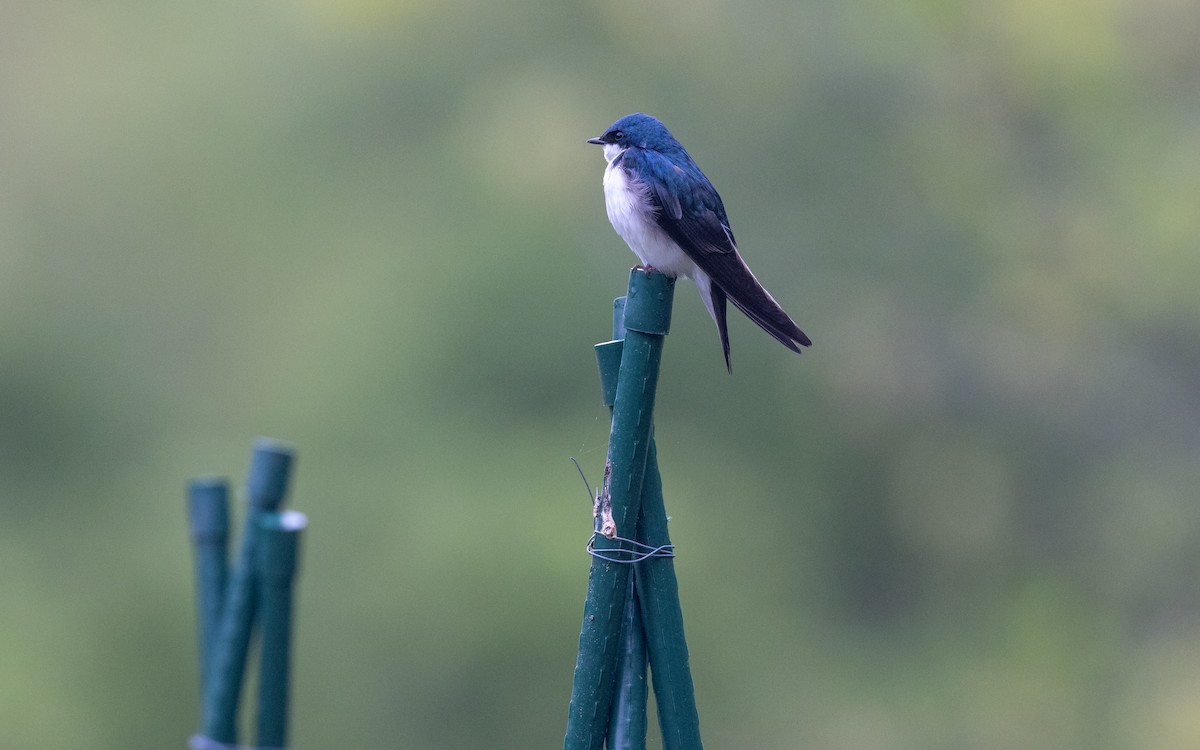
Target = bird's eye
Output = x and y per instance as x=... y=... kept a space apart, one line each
x=617 y=135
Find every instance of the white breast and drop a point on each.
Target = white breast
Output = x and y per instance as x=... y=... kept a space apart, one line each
x=631 y=214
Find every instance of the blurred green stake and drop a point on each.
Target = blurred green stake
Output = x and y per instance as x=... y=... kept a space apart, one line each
x=208 y=526
x=277 y=558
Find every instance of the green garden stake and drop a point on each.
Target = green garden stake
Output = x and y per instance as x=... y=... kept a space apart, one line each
x=618 y=322
x=266 y=486
x=647 y=320
x=627 y=727
x=608 y=356
x=208 y=526
x=276 y=557
x=656 y=604
x=662 y=617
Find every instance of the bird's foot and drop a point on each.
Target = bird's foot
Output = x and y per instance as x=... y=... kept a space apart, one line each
x=647 y=269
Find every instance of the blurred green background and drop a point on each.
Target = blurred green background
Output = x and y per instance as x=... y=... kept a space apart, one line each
x=967 y=518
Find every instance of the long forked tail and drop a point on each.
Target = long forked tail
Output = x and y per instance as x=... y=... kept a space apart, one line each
x=757 y=304
x=770 y=317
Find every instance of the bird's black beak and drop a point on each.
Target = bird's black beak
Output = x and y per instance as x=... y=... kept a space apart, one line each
x=597 y=141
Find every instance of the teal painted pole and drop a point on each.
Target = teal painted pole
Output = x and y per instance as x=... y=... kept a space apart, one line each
x=208 y=526
x=647 y=320
x=657 y=604
x=658 y=596
x=618 y=329
x=277 y=557
x=266 y=487
x=627 y=725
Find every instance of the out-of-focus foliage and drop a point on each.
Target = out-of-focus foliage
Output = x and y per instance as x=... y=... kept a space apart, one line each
x=966 y=519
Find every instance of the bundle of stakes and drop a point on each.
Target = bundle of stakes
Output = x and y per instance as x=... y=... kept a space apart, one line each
x=252 y=599
x=632 y=615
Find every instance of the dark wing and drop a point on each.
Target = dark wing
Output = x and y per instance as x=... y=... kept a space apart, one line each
x=690 y=211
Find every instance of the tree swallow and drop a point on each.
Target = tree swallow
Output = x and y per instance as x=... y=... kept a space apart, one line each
x=670 y=215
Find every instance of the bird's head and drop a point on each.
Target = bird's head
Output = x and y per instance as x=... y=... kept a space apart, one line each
x=635 y=131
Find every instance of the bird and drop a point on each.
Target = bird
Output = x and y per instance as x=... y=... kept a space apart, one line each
x=672 y=218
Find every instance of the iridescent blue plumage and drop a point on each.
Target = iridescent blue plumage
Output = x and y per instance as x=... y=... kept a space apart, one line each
x=672 y=218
